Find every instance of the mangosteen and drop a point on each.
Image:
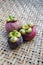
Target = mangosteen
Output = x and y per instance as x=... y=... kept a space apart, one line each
x=12 y=24
x=14 y=39
x=28 y=31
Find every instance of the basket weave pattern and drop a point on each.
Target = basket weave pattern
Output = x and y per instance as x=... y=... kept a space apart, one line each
x=29 y=53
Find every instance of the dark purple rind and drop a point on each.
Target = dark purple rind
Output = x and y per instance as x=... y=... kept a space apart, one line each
x=15 y=44
x=29 y=36
x=12 y=25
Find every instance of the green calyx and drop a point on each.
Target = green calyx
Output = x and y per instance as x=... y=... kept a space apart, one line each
x=30 y=24
x=22 y=31
x=10 y=18
x=14 y=36
x=29 y=30
x=15 y=33
x=14 y=39
x=25 y=26
x=10 y=35
x=26 y=29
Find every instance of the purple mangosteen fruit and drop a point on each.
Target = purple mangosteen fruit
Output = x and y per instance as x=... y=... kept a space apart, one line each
x=12 y=24
x=28 y=31
x=14 y=39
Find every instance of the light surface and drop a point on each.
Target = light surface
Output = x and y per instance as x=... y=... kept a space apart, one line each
x=31 y=52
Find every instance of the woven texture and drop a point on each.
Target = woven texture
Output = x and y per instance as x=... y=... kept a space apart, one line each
x=29 y=53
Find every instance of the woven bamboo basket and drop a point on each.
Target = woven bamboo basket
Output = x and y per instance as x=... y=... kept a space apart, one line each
x=28 y=53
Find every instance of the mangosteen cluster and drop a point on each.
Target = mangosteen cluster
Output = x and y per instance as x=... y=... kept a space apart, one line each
x=17 y=34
